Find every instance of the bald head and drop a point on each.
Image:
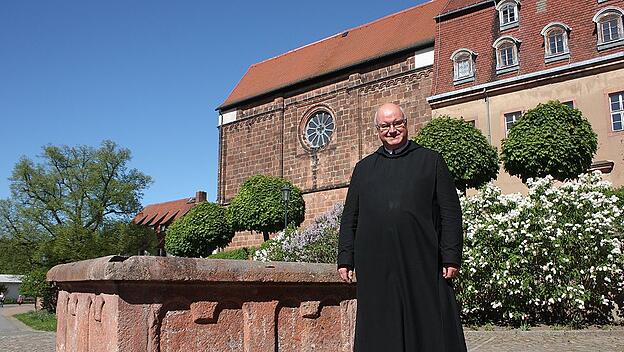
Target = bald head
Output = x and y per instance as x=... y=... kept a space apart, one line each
x=388 y=109
x=391 y=124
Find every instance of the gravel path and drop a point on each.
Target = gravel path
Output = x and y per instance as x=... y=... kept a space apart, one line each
x=547 y=340
x=17 y=337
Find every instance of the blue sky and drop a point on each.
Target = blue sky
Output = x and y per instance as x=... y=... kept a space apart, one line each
x=145 y=74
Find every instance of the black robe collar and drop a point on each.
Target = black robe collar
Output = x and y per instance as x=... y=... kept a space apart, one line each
x=411 y=146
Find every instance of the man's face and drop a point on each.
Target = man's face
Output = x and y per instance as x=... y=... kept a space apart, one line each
x=391 y=126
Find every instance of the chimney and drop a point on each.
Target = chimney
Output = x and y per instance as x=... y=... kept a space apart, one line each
x=200 y=196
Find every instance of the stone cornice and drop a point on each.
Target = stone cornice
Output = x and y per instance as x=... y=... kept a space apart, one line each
x=185 y=270
x=523 y=81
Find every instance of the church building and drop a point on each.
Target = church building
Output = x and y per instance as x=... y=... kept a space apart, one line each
x=307 y=115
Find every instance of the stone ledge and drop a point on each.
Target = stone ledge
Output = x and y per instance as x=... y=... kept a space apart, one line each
x=174 y=269
x=157 y=304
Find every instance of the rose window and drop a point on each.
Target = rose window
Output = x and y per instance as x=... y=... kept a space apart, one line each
x=319 y=129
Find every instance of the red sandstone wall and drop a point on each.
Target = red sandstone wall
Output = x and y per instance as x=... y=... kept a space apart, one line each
x=478 y=30
x=182 y=304
x=267 y=137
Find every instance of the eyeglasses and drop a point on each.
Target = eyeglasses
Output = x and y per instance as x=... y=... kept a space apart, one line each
x=398 y=124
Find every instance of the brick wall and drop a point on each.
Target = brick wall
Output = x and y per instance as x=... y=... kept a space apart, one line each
x=477 y=31
x=267 y=136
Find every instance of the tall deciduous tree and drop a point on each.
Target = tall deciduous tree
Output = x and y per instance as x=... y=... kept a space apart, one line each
x=64 y=206
x=80 y=187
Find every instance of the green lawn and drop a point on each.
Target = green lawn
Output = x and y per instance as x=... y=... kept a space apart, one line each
x=38 y=320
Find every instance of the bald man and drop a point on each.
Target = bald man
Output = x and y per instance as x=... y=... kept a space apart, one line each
x=401 y=231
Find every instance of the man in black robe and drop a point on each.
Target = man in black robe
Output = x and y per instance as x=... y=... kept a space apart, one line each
x=401 y=231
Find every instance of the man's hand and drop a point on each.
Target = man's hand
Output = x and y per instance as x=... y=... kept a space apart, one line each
x=346 y=274
x=449 y=272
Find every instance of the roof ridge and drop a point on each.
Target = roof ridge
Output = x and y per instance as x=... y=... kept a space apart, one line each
x=170 y=201
x=343 y=31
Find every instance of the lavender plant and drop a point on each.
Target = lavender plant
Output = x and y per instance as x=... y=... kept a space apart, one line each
x=317 y=243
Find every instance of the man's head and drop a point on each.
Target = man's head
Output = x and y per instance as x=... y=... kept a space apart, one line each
x=391 y=124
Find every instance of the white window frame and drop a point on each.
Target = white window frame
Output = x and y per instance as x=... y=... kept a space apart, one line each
x=546 y=33
x=600 y=18
x=501 y=7
x=515 y=115
x=502 y=43
x=617 y=114
x=458 y=56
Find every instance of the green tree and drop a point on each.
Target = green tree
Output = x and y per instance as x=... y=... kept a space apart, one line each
x=34 y=285
x=472 y=161
x=550 y=139
x=258 y=205
x=198 y=233
x=62 y=203
x=17 y=257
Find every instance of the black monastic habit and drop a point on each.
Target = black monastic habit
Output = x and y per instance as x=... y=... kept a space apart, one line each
x=401 y=222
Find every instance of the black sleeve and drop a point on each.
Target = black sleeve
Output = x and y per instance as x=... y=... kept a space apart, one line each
x=348 y=224
x=451 y=232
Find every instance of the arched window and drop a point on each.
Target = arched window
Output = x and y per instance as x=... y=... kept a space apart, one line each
x=556 y=42
x=506 y=54
x=508 y=13
x=609 y=27
x=463 y=65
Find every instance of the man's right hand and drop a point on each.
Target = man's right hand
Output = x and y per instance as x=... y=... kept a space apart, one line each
x=346 y=274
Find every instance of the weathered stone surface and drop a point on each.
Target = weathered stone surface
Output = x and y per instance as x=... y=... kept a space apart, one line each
x=170 y=269
x=180 y=304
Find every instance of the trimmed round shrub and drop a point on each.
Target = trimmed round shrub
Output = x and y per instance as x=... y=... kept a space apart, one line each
x=259 y=206
x=471 y=160
x=551 y=139
x=203 y=229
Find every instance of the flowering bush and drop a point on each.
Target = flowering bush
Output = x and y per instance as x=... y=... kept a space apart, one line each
x=552 y=256
x=317 y=243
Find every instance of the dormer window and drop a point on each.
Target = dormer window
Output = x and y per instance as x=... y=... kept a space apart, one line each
x=507 y=14
x=463 y=66
x=609 y=27
x=506 y=54
x=556 y=42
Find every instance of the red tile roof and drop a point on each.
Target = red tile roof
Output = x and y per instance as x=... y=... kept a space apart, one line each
x=402 y=30
x=455 y=5
x=165 y=213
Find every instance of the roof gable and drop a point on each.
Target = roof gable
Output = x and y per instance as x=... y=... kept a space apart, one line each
x=164 y=213
x=400 y=31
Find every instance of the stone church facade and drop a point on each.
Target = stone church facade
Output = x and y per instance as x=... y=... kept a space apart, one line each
x=273 y=130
